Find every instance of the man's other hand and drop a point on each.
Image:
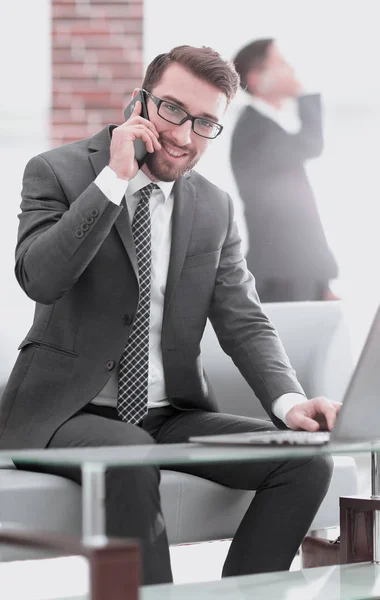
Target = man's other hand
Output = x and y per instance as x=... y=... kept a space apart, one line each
x=313 y=415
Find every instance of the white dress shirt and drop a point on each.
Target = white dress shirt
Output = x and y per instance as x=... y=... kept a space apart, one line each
x=161 y=209
x=286 y=117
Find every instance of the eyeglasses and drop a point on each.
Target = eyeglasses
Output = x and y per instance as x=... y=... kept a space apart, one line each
x=177 y=116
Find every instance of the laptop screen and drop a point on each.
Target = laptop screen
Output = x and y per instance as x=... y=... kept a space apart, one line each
x=359 y=417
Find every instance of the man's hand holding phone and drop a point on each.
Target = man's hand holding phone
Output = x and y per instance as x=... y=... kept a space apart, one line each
x=123 y=144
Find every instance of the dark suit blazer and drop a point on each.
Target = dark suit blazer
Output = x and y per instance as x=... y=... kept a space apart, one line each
x=287 y=243
x=75 y=257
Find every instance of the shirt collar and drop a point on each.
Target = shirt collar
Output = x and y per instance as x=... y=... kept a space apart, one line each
x=140 y=180
x=286 y=116
x=262 y=106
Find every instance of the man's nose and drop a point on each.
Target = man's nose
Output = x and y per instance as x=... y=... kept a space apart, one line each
x=182 y=133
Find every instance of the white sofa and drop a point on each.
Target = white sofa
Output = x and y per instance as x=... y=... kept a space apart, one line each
x=316 y=338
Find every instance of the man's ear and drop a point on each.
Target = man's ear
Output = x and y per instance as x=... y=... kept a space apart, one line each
x=253 y=80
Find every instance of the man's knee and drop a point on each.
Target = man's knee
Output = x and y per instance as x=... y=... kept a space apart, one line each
x=318 y=474
x=324 y=467
x=311 y=475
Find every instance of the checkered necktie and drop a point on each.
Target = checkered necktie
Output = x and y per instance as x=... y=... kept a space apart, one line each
x=132 y=400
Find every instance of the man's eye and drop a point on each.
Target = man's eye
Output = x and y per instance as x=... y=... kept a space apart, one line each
x=205 y=124
x=171 y=108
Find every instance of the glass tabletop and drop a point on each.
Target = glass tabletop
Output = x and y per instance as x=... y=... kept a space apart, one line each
x=68 y=580
x=166 y=455
x=346 y=582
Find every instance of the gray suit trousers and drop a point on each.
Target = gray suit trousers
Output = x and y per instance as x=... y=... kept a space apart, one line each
x=288 y=496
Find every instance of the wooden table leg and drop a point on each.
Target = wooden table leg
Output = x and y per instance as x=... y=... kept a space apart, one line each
x=356 y=528
x=114 y=565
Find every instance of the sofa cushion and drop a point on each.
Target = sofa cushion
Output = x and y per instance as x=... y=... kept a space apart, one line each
x=39 y=502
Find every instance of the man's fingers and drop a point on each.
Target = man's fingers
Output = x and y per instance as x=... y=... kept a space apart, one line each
x=305 y=423
x=147 y=136
x=322 y=407
x=135 y=121
x=314 y=414
x=137 y=108
x=137 y=118
x=328 y=409
x=337 y=406
x=330 y=414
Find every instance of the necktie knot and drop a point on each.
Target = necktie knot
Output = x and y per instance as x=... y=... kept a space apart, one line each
x=147 y=190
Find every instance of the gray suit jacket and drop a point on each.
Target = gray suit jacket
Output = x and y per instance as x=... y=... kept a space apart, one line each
x=288 y=251
x=75 y=257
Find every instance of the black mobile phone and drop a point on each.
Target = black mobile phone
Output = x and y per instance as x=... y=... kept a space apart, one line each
x=141 y=152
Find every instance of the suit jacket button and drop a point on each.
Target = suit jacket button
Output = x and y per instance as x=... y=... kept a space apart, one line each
x=127 y=319
x=94 y=212
x=110 y=364
x=89 y=220
x=79 y=233
x=84 y=227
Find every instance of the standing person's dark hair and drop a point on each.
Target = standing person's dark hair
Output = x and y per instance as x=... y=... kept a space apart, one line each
x=204 y=62
x=251 y=57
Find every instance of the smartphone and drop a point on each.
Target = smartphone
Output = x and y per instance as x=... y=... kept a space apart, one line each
x=141 y=152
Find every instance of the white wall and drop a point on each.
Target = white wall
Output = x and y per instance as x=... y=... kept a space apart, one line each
x=334 y=46
x=24 y=110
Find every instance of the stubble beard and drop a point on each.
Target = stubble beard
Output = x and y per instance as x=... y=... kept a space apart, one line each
x=162 y=170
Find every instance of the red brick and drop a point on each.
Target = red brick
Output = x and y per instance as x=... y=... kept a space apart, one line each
x=116 y=11
x=106 y=55
x=95 y=2
x=66 y=10
x=62 y=100
x=61 y=56
x=97 y=99
x=96 y=63
x=106 y=40
x=73 y=116
x=123 y=71
x=82 y=25
x=74 y=70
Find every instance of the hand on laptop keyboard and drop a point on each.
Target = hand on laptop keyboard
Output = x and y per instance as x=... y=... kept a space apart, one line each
x=317 y=414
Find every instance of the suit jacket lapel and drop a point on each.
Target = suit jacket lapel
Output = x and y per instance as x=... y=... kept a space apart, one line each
x=183 y=215
x=99 y=158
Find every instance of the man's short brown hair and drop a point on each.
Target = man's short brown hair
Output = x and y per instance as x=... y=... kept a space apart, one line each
x=205 y=63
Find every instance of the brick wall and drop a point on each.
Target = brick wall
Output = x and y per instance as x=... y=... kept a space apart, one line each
x=96 y=63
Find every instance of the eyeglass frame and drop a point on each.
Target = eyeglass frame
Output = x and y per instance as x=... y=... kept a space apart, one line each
x=158 y=101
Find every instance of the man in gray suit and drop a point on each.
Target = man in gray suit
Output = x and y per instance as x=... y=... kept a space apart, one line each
x=125 y=266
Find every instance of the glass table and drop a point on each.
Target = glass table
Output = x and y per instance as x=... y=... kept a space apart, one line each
x=345 y=582
x=108 y=558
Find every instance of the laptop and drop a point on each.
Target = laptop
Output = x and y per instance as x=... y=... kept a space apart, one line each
x=357 y=421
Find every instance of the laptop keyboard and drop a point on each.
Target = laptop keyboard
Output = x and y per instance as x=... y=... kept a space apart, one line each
x=303 y=438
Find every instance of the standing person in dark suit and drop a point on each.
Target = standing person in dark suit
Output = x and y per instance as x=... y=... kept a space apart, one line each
x=125 y=266
x=276 y=133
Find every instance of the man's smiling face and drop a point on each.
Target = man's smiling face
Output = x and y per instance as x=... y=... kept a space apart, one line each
x=181 y=147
